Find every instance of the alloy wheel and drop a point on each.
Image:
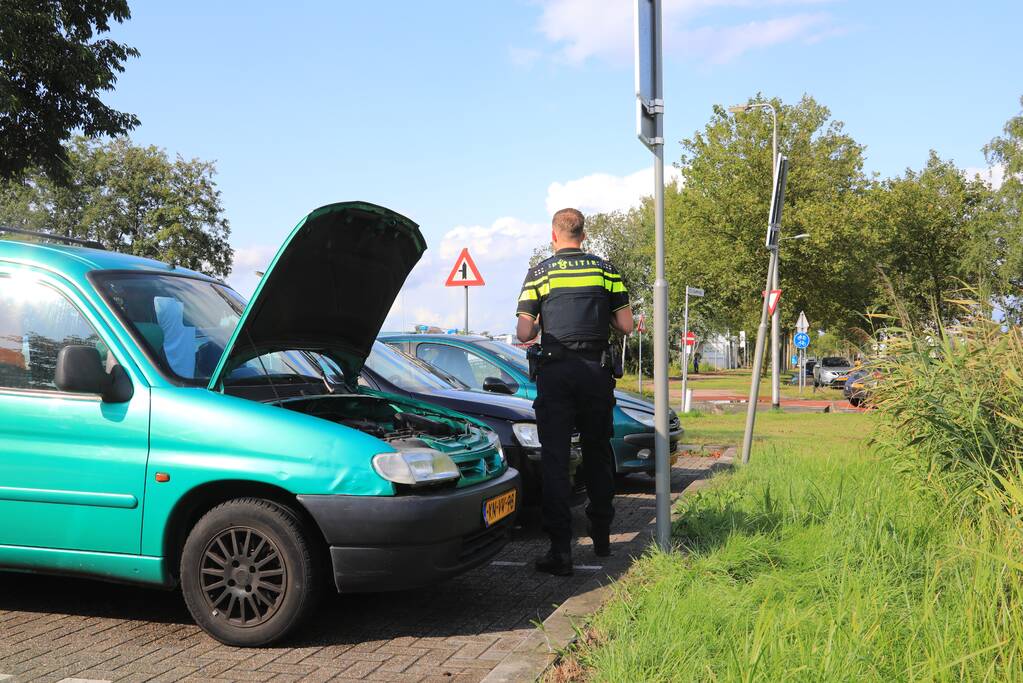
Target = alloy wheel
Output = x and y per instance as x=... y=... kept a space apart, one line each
x=242 y=576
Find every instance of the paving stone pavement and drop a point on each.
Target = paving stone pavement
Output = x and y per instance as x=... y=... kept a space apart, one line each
x=62 y=630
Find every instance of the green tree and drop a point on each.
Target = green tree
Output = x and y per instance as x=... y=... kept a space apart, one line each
x=1006 y=240
x=132 y=199
x=934 y=239
x=53 y=67
x=717 y=221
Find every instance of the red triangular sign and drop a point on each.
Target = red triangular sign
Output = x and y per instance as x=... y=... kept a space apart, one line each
x=772 y=301
x=465 y=273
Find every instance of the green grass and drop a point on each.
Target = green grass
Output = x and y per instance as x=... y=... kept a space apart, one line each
x=817 y=562
x=736 y=381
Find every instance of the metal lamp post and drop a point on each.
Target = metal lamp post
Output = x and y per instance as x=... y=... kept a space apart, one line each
x=773 y=233
x=776 y=317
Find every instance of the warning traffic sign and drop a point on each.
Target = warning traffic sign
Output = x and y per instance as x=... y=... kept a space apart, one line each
x=465 y=273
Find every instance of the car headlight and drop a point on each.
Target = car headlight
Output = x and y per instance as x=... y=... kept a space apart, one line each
x=645 y=419
x=416 y=467
x=495 y=441
x=527 y=434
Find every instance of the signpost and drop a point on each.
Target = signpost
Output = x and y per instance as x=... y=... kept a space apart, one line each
x=465 y=274
x=650 y=130
x=773 y=231
x=801 y=342
x=690 y=340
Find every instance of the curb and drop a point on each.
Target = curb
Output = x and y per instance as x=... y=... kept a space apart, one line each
x=539 y=651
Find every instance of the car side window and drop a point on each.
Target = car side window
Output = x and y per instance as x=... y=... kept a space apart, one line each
x=36 y=322
x=467 y=366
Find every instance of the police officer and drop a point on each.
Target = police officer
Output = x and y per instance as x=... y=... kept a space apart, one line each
x=573 y=299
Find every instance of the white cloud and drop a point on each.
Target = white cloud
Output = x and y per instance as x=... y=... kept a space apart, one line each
x=581 y=29
x=993 y=175
x=500 y=249
x=248 y=260
x=603 y=192
x=721 y=44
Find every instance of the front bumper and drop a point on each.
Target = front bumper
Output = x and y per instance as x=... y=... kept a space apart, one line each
x=628 y=449
x=380 y=543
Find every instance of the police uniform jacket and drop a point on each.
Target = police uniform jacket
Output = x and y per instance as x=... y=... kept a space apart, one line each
x=574 y=294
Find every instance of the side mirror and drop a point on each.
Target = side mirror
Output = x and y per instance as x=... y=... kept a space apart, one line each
x=497 y=386
x=80 y=371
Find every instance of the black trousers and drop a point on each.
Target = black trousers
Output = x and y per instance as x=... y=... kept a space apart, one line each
x=575 y=393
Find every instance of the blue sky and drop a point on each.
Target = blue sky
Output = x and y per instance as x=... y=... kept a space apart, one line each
x=478 y=119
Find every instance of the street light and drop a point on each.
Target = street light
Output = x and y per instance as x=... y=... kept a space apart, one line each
x=776 y=316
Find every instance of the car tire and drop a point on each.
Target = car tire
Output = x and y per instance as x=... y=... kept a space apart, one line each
x=250 y=573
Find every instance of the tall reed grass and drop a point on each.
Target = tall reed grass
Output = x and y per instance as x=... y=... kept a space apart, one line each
x=951 y=408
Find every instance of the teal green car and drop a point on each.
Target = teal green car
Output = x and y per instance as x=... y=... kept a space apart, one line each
x=483 y=364
x=156 y=429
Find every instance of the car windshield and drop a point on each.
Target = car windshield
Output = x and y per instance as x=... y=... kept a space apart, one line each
x=184 y=324
x=512 y=355
x=835 y=362
x=403 y=371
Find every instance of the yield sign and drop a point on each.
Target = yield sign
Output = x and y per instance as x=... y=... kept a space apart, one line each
x=772 y=300
x=465 y=273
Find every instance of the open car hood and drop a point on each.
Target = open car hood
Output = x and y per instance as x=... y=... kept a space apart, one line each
x=329 y=288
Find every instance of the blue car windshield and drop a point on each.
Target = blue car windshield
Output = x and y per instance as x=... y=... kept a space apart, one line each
x=512 y=355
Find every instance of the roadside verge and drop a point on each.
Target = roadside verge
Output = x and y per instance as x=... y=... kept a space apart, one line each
x=539 y=651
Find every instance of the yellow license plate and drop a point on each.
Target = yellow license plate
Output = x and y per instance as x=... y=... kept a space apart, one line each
x=841 y=379
x=499 y=507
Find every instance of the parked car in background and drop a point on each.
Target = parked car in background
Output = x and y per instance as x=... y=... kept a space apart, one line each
x=831 y=371
x=487 y=365
x=861 y=383
x=156 y=429
x=511 y=417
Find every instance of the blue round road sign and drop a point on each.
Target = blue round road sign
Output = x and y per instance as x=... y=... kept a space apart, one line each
x=802 y=340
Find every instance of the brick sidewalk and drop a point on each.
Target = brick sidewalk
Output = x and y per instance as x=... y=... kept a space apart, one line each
x=52 y=628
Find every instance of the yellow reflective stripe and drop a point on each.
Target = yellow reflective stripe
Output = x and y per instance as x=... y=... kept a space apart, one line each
x=563 y=271
x=544 y=289
x=535 y=282
x=528 y=295
x=616 y=287
x=588 y=281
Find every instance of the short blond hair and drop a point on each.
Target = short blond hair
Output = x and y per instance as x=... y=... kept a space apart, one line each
x=569 y=223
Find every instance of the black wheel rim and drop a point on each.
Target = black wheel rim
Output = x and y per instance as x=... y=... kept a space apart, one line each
x=242 y=577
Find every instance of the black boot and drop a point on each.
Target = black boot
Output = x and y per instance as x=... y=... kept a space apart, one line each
x=558 y=564
x=601 y=541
